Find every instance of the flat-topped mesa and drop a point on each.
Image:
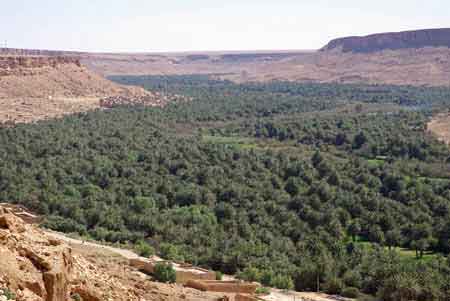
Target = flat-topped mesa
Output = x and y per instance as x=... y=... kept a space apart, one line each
x=37 y=52
x=10 y=64
x=392 y=41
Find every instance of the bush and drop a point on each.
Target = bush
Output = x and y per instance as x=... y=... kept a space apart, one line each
x=10 y=295
x=267 y=277
x=333 y=286
x=164 y=272
x=262 y=290
x=250 y=274
x=219 y=275
x=352 y=278
x=171 y=252
x=76 y=297
x=350 y=292
x=144 y=249
x=283 y=282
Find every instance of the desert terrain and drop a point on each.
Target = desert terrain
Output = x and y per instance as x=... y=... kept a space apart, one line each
x=41 y=84
x=42 y=87
x=425 y=66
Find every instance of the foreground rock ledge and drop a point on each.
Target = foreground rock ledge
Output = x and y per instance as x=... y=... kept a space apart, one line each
x=32 y=265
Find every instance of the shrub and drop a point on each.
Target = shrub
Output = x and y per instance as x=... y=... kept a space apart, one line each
x=10 y=295
x=171 y=252
x=250 y=274
x=352 y=278
x=262 y=291
x=164 y=272
x=219 y=275
x=266 y=277
x=76 y=297
x=333 y=286
x=350 y=292
x=144 y=249
x=283 y=282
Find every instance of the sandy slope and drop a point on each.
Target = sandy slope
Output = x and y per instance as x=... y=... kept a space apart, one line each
x=34 y=93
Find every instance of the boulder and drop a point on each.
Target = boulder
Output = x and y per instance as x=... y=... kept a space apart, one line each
x=86 y=293
x=33 y=264
x=11 y=222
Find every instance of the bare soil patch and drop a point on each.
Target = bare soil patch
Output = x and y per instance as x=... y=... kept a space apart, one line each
x=440 y=126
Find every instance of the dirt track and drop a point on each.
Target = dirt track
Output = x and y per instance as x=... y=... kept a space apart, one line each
x=127 y=254
x=280 y=295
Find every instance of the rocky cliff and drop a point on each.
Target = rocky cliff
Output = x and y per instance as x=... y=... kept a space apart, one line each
x=35 y=87
x=10 y=65
x=32 y=266
x=37 y=52
x=392 y=41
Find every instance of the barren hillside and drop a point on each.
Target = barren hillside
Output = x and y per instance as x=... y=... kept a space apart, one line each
x=424 y=66
x=39 y=87
x=40 y=84
x=407 y=58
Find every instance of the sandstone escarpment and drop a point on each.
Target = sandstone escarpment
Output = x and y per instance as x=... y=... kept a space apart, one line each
x=36 y=87
x=37 y=52
x=392 y=41
x=23 y=65
x=50 y=76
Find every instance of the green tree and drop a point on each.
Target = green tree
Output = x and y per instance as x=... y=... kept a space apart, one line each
x=164 y=272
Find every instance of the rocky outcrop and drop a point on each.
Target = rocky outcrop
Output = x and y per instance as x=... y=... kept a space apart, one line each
x=392 y=41
x=36 y=52
x=25 y=65
x=32 y=266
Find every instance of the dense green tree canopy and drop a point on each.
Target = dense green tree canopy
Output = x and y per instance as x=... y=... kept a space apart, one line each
x=294 y=185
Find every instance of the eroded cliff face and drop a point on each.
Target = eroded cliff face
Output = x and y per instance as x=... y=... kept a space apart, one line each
x=37 y=52
x=33 y=266
x=27 y=65
x=392 y=41
x=35 y=87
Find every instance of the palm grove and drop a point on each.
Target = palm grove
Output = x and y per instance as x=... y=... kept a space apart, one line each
x=306 y=186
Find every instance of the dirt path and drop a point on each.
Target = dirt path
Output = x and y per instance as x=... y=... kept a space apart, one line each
x=127 y=254
x=280 y=295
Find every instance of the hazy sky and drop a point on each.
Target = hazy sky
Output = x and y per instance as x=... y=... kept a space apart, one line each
x=176 y=25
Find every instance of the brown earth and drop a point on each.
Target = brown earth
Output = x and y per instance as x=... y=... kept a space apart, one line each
x=405 y=58
x=40 y=87
x=440 y=127
x=420 y=57
x=424 y=66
